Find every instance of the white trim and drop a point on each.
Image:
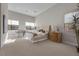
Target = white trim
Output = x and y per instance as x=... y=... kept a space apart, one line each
x=70 y=43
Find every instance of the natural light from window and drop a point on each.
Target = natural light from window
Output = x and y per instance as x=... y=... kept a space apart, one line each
x=30 y=24
x=13 y=22
x=7 y=41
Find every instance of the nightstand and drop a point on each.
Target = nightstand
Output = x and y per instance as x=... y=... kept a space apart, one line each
x=55 y=36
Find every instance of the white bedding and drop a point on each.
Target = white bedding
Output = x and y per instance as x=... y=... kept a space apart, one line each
x=39 y=37
x=28 y=35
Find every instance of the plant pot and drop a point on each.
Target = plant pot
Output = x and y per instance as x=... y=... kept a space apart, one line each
x=77 y=49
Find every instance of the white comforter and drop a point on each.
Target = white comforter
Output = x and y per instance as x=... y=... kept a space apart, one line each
x=28 y=35
x=39 y=37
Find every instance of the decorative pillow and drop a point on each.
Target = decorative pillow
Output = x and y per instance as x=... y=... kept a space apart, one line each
x=34 y=34
x=41 y=30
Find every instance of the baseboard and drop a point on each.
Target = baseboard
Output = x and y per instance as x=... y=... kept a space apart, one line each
x=70 y=43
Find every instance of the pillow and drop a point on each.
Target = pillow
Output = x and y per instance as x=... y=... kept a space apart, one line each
x=41 y=30
x=34 y=34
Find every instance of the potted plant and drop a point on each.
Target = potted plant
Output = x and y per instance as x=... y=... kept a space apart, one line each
x=76 y=29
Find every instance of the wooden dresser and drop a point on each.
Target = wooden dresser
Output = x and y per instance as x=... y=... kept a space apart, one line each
x=55 y=36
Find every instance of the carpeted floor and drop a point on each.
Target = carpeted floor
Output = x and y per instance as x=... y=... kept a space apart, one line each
x=45 y=48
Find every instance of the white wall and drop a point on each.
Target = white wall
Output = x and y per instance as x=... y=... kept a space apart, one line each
x=0 y=25
x=4 y=11
x=21 y=17
x=55 y=16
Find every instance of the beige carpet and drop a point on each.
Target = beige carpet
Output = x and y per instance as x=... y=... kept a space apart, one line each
x=45 y=48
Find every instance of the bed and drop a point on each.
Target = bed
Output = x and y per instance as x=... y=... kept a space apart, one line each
x=37 y=37
x=32 y=35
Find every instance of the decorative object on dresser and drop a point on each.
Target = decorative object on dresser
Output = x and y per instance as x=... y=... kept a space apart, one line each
x=54 y=36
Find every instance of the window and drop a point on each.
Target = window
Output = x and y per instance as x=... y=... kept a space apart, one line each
x=30 y=25
x=13 y=24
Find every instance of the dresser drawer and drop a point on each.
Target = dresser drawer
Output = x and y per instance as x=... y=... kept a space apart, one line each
x=56 y=37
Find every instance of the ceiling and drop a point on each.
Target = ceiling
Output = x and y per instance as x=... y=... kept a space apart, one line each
x=32 y=9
